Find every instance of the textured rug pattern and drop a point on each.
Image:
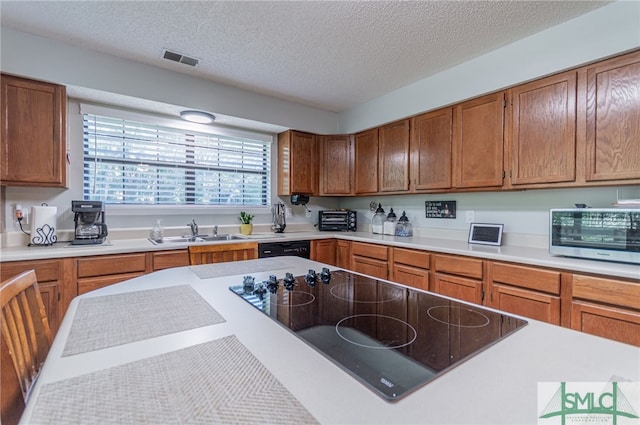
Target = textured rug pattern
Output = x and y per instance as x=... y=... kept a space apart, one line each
x=218 y=382
x=111 y=320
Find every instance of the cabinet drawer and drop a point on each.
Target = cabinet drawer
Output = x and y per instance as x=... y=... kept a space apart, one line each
x=111 y=264
x=167 y=259
x=461 y=266
x=411 y=257
x=607 y=291
x=370 y=250
x=527 y=277
x=46 y=270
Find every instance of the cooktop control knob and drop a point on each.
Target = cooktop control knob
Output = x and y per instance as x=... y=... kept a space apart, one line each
x=272 y=284
x=289 y=281
x=311 y=278
x=248 y=284
x=260 y=290
x=325 y=275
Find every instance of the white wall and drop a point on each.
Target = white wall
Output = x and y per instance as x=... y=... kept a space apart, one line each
x=604 y=32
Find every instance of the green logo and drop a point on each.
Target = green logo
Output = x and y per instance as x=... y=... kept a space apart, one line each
x=591 y=402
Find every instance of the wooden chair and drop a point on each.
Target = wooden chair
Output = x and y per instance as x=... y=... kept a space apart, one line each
x=220 y=253
x=25 y=329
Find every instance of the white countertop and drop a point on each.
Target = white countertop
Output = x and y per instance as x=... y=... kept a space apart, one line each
x=518 y=254
x=497 y=386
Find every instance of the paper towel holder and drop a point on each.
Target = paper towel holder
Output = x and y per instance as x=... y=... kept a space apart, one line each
x=44 y=235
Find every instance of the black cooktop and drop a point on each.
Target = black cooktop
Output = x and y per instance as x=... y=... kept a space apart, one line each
x=392 y=338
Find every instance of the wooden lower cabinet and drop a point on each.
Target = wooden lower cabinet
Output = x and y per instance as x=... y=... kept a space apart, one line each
x=606 y=307
x=51 y=277
x=458 y=277
x=99 y=271
x=410 y=267
x=526 y=291
x=370 y=259
x=343 y=254
x=324 y=251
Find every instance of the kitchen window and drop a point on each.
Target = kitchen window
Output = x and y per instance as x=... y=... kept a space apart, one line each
x=133 y=162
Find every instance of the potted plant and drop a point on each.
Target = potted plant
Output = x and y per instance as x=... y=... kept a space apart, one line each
x=246 y=223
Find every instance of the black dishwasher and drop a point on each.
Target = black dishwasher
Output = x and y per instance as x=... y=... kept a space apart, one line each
x=279 y=249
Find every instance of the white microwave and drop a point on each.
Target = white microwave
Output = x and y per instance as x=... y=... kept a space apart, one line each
x=611 y=234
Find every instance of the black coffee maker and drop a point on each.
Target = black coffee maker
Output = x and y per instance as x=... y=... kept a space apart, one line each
x=89 y=220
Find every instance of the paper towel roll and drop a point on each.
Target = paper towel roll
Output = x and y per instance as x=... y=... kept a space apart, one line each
x=43 y=225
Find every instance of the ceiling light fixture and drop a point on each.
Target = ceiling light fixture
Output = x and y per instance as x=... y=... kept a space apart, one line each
x=198 y=116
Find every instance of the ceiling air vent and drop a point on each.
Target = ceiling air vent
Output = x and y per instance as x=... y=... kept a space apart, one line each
x=177 y=57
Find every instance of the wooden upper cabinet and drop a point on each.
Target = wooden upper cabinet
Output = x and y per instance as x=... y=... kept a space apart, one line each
x=478 y=133
x=297 y=163
x=431 y=138
x=365 y=162
x=543 y=131
x=393 y=157
x=33 y=137
x=336 y=165
x=613 y=119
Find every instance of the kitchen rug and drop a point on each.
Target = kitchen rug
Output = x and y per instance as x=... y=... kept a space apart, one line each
x=208 y=271
x=217 y=382
x=110 y=320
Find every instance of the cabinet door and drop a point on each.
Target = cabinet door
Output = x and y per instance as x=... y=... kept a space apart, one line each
x=458 y=287
x=370 y=266
x=536 y=305
x=336 y=165
x=33 y=138
x=343 y=254
x=366 y=162
x=324 y=251
x=50 y=276
x=431 y=138
x=613 y=119
x=393 y=157
x=297 y=163
x=411 y=276
x=543 y=131
x=478 y=132
x=608 y=322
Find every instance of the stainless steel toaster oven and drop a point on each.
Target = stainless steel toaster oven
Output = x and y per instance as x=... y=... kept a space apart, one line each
x=598 y=233
x=337 y=220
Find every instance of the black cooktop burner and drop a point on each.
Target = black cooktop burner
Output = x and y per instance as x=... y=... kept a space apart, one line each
x=392 y=338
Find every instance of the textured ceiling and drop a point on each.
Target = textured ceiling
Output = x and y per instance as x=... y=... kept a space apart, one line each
x=327 y=54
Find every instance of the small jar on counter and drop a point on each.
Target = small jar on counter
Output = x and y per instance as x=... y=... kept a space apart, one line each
x=377 y=221
x=390 y=223
x=403 y=226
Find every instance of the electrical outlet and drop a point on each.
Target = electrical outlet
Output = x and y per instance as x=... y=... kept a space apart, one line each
x=21 y=212
x=470 y=217
x=287 y=212
x=308 y=213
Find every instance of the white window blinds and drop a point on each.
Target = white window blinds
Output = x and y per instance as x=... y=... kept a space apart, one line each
x=131 y=162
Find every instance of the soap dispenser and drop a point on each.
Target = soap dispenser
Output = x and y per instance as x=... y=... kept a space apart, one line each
x=158 y=232
x=377 y=221
x=390 y=224
x=403 y=226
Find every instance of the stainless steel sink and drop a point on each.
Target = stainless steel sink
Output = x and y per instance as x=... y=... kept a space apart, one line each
x=196 y=239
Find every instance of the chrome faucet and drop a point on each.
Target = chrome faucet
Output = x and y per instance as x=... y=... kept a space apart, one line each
x=194 y=227
x=215 y=230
